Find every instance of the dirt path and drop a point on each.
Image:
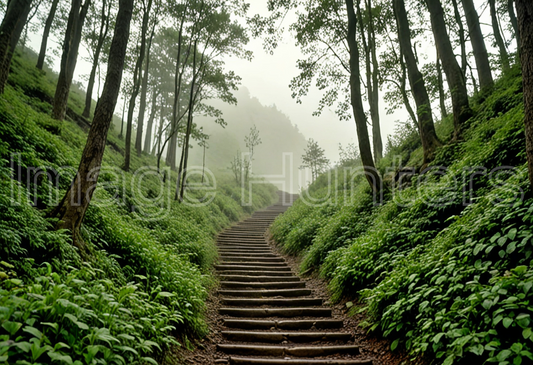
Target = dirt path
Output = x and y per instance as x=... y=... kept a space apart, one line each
x=263 y=313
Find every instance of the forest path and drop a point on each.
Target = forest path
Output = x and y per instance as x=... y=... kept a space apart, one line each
x=268 y=314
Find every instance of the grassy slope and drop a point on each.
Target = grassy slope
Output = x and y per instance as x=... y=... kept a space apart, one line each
x=441 y=277
x=150 y=273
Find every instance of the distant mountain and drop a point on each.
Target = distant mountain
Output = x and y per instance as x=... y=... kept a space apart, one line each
x=279 y=136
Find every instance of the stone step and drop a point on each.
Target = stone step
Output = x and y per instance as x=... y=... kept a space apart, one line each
x=257 y=361
x=247 y=278
x=306 y=324
x=240 y=266
x=293 y=302
x=260 y=285
x=239 y=249
x=237 y=253
x=276 y=312
x=305 y=351
x=278 y=337
x=264 y=264
x=266 y=293
x=224 y=273
x=251 y=259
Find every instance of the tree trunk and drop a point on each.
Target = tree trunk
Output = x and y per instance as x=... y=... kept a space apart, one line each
x=462 y=39
x=426 y=127
x=514 y=23
x=142 y=104
x=185 y=157
x=14 y=15
x=157 y=146
x=371 y=173
x=150 y=126
x=374 y=101
x=454 y=75
x=104 y=27
x=46 y=33
x=525 y=21
x=478 y=45
x=137 y=74
x=69 y=58
x=504 y=56
x=72 y=208
x=15 y=37
x=440 y=85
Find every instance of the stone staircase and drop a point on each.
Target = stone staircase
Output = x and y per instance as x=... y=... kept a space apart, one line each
x=270 y=317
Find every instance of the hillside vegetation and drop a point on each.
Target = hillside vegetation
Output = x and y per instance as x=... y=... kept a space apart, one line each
x=443 y=263
x=144 y=287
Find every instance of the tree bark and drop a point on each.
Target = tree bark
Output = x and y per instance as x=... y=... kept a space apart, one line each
x=426 y=128
x=462 y=39
x=504 y=56
x=69 y=57
x=525 y=22
x=137 y=74
x=104 y=27
x=374 y=108
x=440 y=85
x=371 y=173
x=46 y=33
x=72 y=208
x=454 y=75
x=142 y=104
x=514 y=23
x=150 y=126
x=14 y=16
x=478 y=45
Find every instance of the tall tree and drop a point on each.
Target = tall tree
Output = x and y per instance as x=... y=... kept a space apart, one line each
x=314 y=159
x=137 y=76
x=514 y=23
x=504 y=56
x=478 y=45
x=372 y=174
x=426 y=128
x=454 y=75
x=101 y=36
x=525 y=21
x=46 y=33
x=461 y=34
x=144 y=93
x=372 y=82
x=72 y=208
x=69 y=57
x=15 y=16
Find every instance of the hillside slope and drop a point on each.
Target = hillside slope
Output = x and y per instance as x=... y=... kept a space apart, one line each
x=442 y=263
x=144 y=287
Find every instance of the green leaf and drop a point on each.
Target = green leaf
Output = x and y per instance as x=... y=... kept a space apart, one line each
x=11 y=327
x=526 y=333
x=507 y=322
x=394 y=344
x=165 y=294
x=504 y=354
x=150 y=360
x=449 y=360
x=502 y=240
x=34 y=331
x=511 y=247
x=512 y=233
x=56 y=356
x=520 y=270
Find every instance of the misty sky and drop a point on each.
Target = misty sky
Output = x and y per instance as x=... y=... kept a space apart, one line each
x=268 y=76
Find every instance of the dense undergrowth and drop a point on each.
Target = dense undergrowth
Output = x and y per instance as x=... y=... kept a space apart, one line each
x=443 y=264
x=144 y=288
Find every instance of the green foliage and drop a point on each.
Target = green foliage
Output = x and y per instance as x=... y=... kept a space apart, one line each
x=149 y=274
x=445 y=264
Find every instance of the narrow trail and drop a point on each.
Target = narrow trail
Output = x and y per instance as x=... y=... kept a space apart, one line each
x=268 y=314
